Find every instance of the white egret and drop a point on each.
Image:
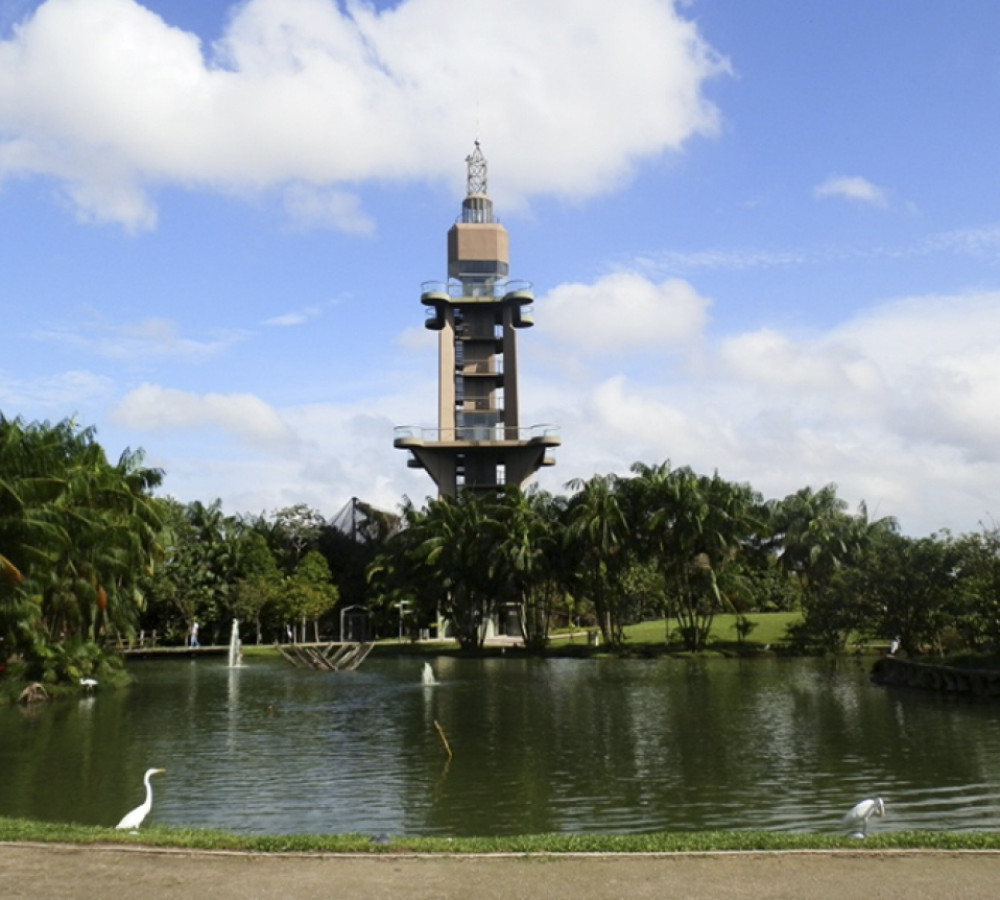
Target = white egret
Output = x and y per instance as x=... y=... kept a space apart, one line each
x=856 y=821
x=134 y=819
x=88 y=684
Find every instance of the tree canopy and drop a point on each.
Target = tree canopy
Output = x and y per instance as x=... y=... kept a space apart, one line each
x=90 y=559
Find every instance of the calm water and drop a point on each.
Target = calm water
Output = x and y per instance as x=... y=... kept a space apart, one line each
x=540 y=746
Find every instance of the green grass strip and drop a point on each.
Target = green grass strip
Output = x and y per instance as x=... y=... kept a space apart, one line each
x=25 y=830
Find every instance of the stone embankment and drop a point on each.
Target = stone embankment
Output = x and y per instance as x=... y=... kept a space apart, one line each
x=895 y=672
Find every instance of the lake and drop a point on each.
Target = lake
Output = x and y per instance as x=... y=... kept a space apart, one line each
x=557 y=745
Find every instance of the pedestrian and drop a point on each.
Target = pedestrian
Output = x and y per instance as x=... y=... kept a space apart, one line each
x=194 y=634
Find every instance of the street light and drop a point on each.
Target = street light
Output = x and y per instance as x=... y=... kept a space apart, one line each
x=404 y=607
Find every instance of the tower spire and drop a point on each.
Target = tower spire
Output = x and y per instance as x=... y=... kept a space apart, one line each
x=477 y=208
x=476 y=172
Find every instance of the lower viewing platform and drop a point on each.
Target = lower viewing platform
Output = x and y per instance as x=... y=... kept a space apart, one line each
x=480 y=457
x=410 y=436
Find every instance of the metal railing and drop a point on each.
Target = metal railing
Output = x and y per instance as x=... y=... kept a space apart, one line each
x=495 y=289
x=477 y=434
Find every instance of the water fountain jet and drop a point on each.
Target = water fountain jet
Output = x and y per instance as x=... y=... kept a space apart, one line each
x=235 y=648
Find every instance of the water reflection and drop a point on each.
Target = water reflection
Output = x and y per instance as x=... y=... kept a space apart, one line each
x=539 y=746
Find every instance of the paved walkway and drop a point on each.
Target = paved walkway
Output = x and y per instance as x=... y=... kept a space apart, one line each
x=55 y=872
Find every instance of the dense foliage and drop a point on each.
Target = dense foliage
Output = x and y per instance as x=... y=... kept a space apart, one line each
x=669 y=543
x=91 y=560
x=277 y=574
x=78 y=535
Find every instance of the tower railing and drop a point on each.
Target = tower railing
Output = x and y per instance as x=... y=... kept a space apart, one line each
x=546 y=434
x=496 y=289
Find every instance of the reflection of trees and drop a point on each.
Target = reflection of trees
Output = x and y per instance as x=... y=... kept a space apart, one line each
x=57 y=764
x=491 y=720
x=540 y=745
x=568 y=745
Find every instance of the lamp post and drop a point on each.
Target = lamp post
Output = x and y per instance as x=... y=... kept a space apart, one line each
x=404 y=607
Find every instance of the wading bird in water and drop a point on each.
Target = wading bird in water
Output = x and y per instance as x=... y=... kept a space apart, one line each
x=856 y=821
x=134 y=819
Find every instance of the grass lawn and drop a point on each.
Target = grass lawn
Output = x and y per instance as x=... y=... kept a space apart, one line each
x=769 y=630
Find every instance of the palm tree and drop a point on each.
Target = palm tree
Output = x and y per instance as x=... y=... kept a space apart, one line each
x=526 y=558
x=692 y=528
x=441 y=561
x=598 y=541
x=80 y=531
x=817 y=540
x=455 y=559
x=808 y=528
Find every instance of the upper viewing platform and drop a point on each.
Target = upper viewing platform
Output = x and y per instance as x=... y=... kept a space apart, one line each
x=488 y=291
x=513 y=295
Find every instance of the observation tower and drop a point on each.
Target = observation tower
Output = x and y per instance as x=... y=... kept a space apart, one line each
x=479 y=443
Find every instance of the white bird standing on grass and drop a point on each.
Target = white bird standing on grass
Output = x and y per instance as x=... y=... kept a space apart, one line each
x=134 y=819
x=856 y=821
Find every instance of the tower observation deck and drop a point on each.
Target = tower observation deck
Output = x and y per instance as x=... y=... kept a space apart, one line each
x=479 y=443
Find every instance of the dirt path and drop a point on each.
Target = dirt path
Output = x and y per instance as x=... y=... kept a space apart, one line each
x=54 y=872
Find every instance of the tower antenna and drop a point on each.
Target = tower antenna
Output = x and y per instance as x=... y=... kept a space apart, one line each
x=476 y=172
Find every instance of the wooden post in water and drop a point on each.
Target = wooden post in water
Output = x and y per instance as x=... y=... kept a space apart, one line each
x=444 y=740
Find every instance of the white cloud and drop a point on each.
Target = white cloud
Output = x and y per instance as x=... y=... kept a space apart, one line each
x=897 y=406
x=832 y=371
x=329 y=468
x=244 y=416
x=112 y=102
x=294 y=317
x=944 y=365
x=624 y=312
x=732 y=258
x=311 y=207
x=318 y=453
x=650 y=422
x=59 y=392
x=976 y=242
x=288 y=320
x=416 y=339
x=851 y=187
x=979 y=243
x=151 y=340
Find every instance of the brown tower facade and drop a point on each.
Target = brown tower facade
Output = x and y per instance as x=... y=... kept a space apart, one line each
x=479 y=443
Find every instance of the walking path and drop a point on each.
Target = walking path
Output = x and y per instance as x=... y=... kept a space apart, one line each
x=60 y=872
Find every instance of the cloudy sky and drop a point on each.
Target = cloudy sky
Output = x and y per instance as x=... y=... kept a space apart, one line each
x=764 y=236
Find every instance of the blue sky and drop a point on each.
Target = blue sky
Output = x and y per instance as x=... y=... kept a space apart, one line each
x=764 y=236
